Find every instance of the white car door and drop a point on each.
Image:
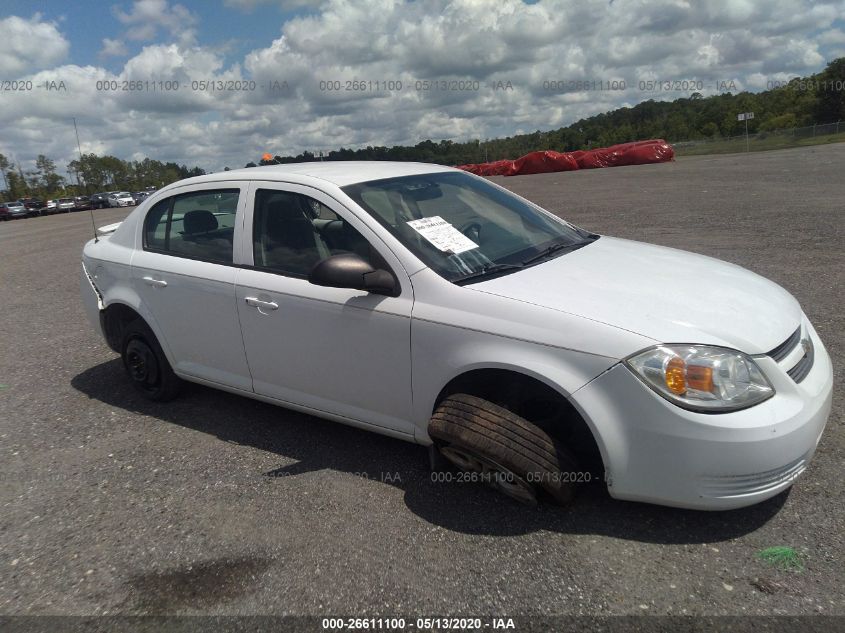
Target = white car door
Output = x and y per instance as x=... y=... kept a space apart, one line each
x=336 y=350
x=183 y=270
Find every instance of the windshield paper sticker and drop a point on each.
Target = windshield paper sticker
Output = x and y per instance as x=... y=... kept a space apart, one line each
x=443 y=235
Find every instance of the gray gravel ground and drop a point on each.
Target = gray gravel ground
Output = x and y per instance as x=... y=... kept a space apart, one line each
x=219 y=504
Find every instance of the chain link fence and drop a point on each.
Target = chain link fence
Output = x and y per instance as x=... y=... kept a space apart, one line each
x=769 y=139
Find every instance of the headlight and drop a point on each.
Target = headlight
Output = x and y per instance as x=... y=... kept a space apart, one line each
x=702 y=378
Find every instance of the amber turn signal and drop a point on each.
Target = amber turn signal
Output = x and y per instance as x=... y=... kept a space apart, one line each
x=675 y=375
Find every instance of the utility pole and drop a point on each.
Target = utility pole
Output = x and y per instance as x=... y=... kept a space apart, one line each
x=746 y=135
x=79 y=149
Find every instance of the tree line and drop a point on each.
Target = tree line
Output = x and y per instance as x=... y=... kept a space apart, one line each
x=819 y=98
x=87 y=175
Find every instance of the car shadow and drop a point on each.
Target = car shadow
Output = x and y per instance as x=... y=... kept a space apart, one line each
x=317 y=444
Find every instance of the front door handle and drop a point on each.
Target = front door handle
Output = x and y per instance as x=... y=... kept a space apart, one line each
x=156 y=283
x=258 y=303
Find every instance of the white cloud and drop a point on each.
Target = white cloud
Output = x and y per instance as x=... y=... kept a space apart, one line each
x=146 y=17
x=26 y=45
x=286 y=5
x=474 y=45
x=832 y=36
x=113 y=48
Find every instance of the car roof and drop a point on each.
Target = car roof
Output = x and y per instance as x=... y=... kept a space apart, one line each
x=340 y=173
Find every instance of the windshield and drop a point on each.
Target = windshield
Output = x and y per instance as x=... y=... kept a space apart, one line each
x=463 y=227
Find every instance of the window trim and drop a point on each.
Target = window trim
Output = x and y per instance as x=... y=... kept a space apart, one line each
x=293 y=188
x=170 y=203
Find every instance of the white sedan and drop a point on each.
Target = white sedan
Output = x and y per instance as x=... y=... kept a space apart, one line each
x=120 y=199
x=431 y=305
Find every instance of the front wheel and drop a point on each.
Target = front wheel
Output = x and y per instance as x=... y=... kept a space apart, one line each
x=146 y=364
x=510 y=453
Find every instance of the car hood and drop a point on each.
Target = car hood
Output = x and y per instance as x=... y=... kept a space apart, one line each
x=668 y=295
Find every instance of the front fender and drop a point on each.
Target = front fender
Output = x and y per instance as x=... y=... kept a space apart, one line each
x=443 y=352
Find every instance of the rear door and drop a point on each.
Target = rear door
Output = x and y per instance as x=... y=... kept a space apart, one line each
x=184 y=272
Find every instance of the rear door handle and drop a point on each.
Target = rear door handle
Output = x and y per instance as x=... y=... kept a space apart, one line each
x=258 y=303
x=156 y=283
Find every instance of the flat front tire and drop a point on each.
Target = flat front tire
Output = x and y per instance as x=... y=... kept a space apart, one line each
x=146 y=365
x=510 y=453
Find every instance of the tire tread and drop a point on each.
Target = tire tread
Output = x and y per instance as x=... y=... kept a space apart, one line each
x=502 y=436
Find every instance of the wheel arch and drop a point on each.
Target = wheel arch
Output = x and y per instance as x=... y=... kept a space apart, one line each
x=114 y=318
x=122 y=308
x=499 y=382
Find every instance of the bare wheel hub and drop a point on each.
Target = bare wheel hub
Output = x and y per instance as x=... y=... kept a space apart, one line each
x=493 y=474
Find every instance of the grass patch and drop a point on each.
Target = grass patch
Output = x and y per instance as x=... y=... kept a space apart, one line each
x=781 y=557
x=776 y=141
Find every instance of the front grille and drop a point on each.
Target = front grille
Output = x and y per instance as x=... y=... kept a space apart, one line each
x=786 y=349
x=803 y=366
x=783 y=350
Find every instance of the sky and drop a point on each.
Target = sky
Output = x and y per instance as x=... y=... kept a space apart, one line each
x=219 y=83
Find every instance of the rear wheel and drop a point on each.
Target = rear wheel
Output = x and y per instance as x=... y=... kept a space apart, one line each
x=146 y=364
x=509 y=453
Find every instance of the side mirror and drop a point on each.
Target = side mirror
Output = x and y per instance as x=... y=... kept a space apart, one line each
x=349 y=270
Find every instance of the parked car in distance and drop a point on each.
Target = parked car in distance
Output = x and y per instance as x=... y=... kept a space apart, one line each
x=50 y=207
x=99 y=200
x=13 y=210
x=140 y=196
x=434 y=306
x=81 y=203
x=33 y=206
x=65 y=205
x=121 y=199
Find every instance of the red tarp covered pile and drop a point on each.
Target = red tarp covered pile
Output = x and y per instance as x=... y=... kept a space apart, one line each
x=637 y=153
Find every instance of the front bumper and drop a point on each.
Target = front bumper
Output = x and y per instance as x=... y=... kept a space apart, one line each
x=657 y=452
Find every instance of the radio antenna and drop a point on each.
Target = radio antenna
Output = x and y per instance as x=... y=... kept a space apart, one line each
x=93 y=224
x=90 y=206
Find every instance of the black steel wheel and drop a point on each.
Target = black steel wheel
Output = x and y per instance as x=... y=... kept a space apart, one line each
x=146 y=364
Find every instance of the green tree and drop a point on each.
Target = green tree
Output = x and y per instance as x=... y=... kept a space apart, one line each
x=16 y=187
x=48 y=178
x=830 y=92
x=4 y=167
x=781 y=122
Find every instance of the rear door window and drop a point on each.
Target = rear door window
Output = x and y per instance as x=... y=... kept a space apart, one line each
x=197 y=225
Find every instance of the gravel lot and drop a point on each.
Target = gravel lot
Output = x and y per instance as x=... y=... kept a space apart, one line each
x=220 y=504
